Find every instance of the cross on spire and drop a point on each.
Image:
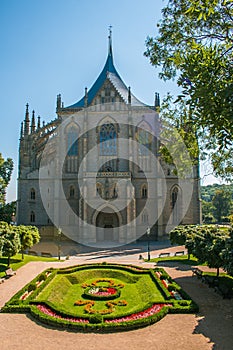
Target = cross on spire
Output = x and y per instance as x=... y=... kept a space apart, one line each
x=110 y=40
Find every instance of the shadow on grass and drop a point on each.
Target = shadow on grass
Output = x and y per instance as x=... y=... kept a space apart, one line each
x=4 y=262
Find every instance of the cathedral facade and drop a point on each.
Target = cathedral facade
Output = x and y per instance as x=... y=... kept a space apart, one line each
x=95 y=171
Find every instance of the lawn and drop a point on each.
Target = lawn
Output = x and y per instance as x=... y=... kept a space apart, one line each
x=183 y=259
x=17 y=262
x=65 y=290
x=101 y=297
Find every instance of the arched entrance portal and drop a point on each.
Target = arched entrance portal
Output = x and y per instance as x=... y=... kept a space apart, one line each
x=108 y=221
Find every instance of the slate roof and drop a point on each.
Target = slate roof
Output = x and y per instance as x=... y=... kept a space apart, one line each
x=109 y=72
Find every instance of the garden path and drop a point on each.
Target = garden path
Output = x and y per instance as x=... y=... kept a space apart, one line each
x=212 y=328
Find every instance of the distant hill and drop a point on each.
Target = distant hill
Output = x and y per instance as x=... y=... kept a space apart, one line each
x=207 y=192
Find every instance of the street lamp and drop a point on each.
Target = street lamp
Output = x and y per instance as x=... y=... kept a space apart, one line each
x=59 y=243
x=148 y=241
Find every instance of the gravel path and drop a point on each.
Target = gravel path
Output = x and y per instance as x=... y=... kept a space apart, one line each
x=212 y=328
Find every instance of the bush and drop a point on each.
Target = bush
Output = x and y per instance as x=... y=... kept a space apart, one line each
x=96 y=318
x=31 y=287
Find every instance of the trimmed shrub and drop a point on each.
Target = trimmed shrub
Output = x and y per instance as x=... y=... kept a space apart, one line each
x=96 y=318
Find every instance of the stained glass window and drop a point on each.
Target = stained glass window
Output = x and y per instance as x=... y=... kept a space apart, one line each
x=72 y=142
x=108 y=140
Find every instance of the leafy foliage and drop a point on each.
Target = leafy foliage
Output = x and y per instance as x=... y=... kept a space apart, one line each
x=195 y=44
x=6 y=168
x=217 y=202
x=16 y=238
x=7 y=211
x=207 y=243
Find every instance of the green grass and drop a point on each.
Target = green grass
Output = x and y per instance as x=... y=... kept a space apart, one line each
x=139 y=290
x=183 y=259
x=64 y=290
x=16 y=262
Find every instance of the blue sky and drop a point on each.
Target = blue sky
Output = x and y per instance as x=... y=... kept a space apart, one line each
x=60 y=46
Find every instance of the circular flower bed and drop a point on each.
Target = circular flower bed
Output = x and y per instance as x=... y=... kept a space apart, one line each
x=101 y=293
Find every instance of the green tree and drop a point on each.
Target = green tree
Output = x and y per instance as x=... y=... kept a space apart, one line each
x=207 y=212
x=195 y=44
x=10 y=241
x=7 y=211
x=222 y=204
x=227 y=254
x=6 y=168
x=29 y=236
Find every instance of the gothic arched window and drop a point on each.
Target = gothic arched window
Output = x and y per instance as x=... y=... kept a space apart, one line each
x=108 y=140
x=144 y=141
x=72 y=141
x=176 y=204
x=144 y=191
x=72 y=191
x=144 y=217
x=174 y=196
x=32 y=217
x=32 y=194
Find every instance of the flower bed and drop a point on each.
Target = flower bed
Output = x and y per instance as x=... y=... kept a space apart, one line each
x=146 y=313
x=90 y=312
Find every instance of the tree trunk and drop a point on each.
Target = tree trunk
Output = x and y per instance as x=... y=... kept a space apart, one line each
x=8 y=261
x=22 y=252
x=217 y=271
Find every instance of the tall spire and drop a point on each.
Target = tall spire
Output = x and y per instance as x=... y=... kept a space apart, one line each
x=26 y=121
x=33 y=123
x=38 y=123
x=110 y=40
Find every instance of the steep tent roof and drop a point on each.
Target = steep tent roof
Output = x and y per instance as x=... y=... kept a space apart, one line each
x=109 y=72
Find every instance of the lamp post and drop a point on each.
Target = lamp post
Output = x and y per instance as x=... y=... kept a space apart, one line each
x=59 y=243
x=148 y=242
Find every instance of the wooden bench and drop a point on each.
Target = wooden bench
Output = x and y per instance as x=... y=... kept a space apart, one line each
x=197 y=272
x=32 y=252
x=163 y=255
x=212 y=281
x=181 y=252
x=9 y=272
x=46 y=255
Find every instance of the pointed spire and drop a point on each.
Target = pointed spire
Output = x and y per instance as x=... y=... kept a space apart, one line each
x=157 y=100
x=86 y=98
x=26 y=121
x=38 y=122
x=21 y=131
x=129 y=95
x=58 y=102
x=110 y=41
x=33 y=123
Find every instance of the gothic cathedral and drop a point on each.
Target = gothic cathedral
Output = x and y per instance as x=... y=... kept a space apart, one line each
x=95 y=172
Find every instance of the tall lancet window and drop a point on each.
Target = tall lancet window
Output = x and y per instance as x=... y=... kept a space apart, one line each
x=143 y=137
x=72 y=141
x=108 y=140
x=144 y=142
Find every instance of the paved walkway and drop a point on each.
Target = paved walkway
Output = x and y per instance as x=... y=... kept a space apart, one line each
x=212 y=328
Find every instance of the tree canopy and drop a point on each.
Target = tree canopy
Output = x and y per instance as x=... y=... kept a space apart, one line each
x=195 y=45
x=6 y=168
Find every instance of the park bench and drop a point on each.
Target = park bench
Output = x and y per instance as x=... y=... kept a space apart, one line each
x=46 y=255
x=32 y=252
x=163 y=255
x=9 y=272
x=212 y=281
x=181 y=252
x=197 y=272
